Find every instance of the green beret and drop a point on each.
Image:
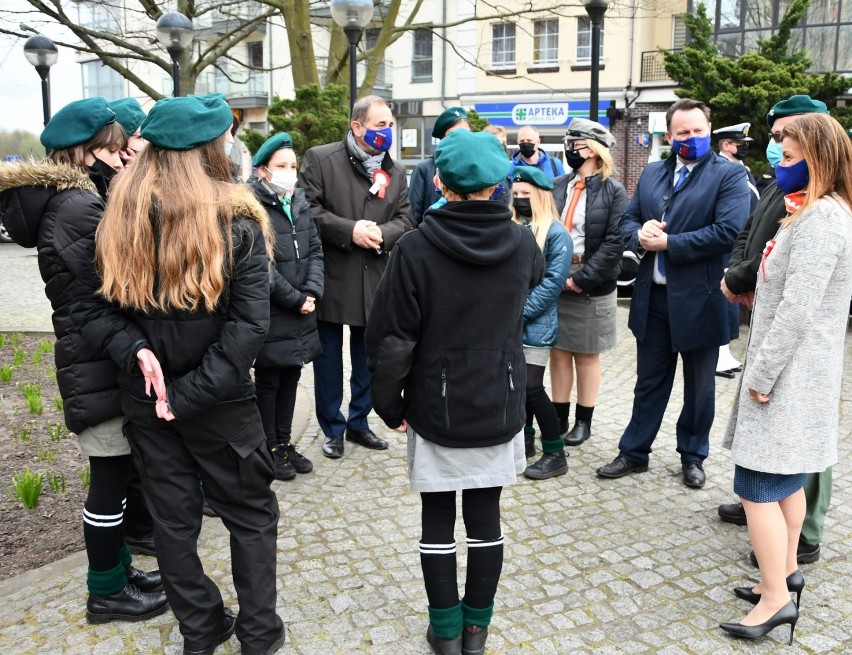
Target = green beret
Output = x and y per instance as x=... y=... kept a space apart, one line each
x=446 y=120
x=532 y=175
x=129 y=113
x=186 y=122
x=76 y=123
x=795 y=106
x=470 y=161
x=272 y=145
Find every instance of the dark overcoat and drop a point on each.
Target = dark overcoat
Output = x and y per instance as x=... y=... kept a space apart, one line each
x=703 y=217
x=338 y=190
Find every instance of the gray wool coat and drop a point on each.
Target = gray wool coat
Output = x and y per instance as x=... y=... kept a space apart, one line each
x=795 y=349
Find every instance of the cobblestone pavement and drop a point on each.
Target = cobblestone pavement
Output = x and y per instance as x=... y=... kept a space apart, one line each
x=637 y=565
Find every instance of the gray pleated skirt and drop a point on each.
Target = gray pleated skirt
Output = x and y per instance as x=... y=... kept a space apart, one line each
x=586 y=323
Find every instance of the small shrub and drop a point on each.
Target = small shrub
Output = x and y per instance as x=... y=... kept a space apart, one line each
x=18 y=356
x=32 y=394
x=58 y=404
x=27 y=485
x=6 y=373
x=56 y=432
x=56 y=482
x=85 y=476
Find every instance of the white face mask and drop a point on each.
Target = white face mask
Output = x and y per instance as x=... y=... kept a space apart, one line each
x=283 y=181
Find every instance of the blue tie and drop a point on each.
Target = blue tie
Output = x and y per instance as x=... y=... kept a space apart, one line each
x=661 y=260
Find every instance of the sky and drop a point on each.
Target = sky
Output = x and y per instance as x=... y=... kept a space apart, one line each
x=20 y=85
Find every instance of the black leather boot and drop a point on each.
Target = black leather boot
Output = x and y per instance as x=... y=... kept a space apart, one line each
x=549 y=466
x=444 y=646
x=129 y=604
x=473 y=640
x=148 y=582
x=578 y=434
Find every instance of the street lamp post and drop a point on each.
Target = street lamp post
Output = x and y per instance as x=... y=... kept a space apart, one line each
x=41 y=52
x=596 y=10
x=352 y=16
x=174 y=31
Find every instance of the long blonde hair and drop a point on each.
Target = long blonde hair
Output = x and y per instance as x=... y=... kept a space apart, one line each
x=828 y=151
x=165 y=240
x=543 y=214
x=606 y=165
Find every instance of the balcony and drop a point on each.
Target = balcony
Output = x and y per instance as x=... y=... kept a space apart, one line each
x=248 y=94
x=653 y=67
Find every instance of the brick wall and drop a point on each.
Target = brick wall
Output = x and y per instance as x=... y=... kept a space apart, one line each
x=634 y=123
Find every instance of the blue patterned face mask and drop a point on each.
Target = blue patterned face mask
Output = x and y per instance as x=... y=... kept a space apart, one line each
x=773 y=153
x=691 y=149
x=381 y=140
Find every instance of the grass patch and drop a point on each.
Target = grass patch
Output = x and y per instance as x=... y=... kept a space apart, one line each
x=56 y=432
x=56 y=482
x=59 y=404
x=18 y=355
x=85 y=476
x=6 y=373
x=32 y=395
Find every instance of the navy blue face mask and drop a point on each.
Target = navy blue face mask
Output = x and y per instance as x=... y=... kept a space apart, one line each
x=380 y=140
x=792 y=178
x=497 y=191
x=695 y=147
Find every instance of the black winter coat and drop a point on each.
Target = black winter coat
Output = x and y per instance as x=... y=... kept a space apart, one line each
x=56 y=209
x=762 y=225
x=205 y=356
x=444 y=339
x=605 y=203
x=296 y=273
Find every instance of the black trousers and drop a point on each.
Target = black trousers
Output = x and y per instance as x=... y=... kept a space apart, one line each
x=224 y=447
x=276 y=400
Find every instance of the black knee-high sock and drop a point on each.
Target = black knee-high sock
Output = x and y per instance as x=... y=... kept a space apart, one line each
x=481 y=512
x=438 y=549
x=103 y=514
x=563 y=410
x=583 y=413
x=542 y=408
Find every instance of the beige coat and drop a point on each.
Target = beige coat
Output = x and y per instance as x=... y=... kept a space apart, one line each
x=795 y=350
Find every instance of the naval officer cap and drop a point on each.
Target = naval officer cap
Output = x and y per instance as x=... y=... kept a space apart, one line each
x=737 y=132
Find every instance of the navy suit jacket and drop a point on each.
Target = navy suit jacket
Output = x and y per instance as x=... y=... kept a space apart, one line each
x=703 y=219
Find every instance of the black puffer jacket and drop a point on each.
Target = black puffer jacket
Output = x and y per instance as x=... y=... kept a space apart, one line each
x=444 y=339
x=205 y=356
x=605 y=203
x=56 y=209
x=296 y=274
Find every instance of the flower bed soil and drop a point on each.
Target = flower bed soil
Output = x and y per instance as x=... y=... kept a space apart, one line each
x=30 y=538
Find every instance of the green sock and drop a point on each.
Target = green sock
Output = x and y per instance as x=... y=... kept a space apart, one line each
x=103 y=583
x=553 y=446
x=481 y=618
x=446 y=623
x=124 y=556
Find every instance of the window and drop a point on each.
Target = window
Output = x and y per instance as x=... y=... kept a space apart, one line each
x=101 y=80
x=546 y=42
x=503 y=45
x=421 y=58
x=99 y=16
x=371 y=37
x=255 y=54
x=584 y=41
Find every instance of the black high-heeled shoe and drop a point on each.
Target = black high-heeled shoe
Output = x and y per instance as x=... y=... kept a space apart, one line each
x=795 y=584
x=787 y=614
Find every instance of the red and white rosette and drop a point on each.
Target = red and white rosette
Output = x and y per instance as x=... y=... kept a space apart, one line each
x=381 y=180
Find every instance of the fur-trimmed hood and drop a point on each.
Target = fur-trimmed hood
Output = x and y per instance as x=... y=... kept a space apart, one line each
x=30 y=189
x=246 y=205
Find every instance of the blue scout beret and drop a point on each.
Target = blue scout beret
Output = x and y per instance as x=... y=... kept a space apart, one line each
x=129 y=113
x=532 y=175
x=76 y=123
x=446 y=120
x=471 y=161
x=795 y=106
x=272 y=145
x=186 y=122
